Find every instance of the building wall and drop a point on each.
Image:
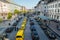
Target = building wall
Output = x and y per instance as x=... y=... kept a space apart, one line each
x=41 y=7
x=54 y=10
x=13 y=7
x=51 y=9
x=7 y=7
x=3 y=10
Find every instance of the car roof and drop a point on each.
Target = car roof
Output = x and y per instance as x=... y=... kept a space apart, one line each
x=20 y=33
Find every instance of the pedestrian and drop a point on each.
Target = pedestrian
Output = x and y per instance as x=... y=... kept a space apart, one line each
x=15 y=28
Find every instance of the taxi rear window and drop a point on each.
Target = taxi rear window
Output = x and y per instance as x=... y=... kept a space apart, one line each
x=18 y=36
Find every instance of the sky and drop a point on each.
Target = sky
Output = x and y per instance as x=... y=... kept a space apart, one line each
x=29 y=4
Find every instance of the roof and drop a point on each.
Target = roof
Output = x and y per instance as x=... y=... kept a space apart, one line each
x=20 y=32
x=44 y=17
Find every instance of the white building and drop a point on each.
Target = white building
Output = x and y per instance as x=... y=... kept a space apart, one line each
x=41 y=8
x=54 y=10
x=3 y=10
x=6 y=7
x=12 y=7
x=50 y=8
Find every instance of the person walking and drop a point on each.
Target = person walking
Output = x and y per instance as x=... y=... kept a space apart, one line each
x=15 y=28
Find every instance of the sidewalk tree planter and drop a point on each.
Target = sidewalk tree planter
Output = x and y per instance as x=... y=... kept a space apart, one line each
x=9 y=15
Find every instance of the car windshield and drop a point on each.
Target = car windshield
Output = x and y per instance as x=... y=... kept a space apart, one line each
x=18 y=36
x=35 y=33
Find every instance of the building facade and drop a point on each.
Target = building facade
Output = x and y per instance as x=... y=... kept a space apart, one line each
x=54 y=10
x=41 y=8
x=6 y=7
x=50 y=8
x=3 y=10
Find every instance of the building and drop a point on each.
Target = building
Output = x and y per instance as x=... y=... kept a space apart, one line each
x=3 y=10
x=40 y=8
x=49 y=8
x=54 y=9
x=6 y=7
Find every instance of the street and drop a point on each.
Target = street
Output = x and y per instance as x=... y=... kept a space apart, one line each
x=27 y=31
x=29 y=19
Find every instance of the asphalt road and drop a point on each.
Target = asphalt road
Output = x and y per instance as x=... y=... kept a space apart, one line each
x=27 y=32
x=41 y=33
x=12 y=35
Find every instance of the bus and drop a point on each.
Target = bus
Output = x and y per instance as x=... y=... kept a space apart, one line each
x=20 y=35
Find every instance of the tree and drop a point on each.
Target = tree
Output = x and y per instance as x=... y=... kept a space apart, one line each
x=16 y=11
x=1 y=19
x=9 y=15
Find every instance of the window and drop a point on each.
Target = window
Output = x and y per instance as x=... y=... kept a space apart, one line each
x=54 y=16
x=58 y=10
x=59 y=4
x=55 y=5
x=45 y=7
x=51 y=6
x=3 y=17
x=1 y=14
x=55 y=10
x=57 y=17
x=4 y=5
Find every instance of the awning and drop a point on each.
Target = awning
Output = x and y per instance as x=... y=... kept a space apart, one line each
x=50 y=18
x=44 y=17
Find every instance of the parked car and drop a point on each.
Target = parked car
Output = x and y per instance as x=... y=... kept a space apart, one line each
x=32 y=28
x=44 y=27
x=35 y=35
x=31 y=23
x=51 y=35
x=55 y=21
x=40 y=23
x=31 y=20
x=36 y=18
x=10 y=29
x=14 y=24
